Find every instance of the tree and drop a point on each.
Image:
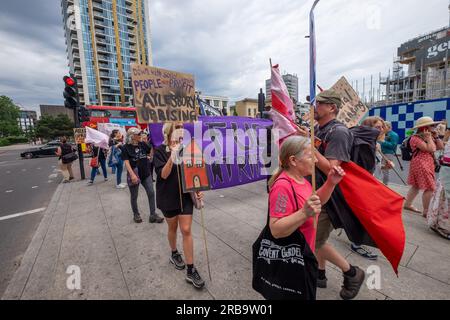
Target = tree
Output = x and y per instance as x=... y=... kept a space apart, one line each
x=49 y=127
x=9 y=113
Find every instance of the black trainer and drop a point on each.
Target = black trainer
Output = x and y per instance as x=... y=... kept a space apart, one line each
x=177 y=260
x=154 y=218
x=195 y=279
x=352 y=285
x=137 y=218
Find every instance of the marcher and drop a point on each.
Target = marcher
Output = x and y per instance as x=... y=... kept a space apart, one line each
x=134 y=154
x=116 y=143
x=389 y=149
x=439 y=209
x=101 y=155
x=422 y=168
x=379 y=124
x=336 y=148
x=146 y=139
x=296 y=163
x=176 y=206
x=66 y=167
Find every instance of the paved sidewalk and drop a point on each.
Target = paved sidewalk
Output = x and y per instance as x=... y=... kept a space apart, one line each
x=92 y=228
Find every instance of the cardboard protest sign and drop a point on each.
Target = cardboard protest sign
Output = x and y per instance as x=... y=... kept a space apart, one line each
x=352 y=109
x=79 y=135
x=193 y=170
x=162 y=95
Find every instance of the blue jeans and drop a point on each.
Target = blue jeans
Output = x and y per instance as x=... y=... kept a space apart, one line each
x=94 y=170
x=119 y=169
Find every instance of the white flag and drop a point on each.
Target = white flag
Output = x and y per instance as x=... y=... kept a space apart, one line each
x=97 y=138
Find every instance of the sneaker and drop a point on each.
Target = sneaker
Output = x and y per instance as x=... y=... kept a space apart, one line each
x=65 y=181
x=137 y=218
x=195 y=279
x=363 y=252
x=90 y=183
x=106 y=179
x=154 y=218
x=120 y=186
x=71 y=178
x=352 y=285
x=322 y=283
x=177 y=260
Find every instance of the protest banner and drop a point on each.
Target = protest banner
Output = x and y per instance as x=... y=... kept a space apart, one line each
x=227 y=168
x=162 y=95
x=352 y=109
x=79 y=135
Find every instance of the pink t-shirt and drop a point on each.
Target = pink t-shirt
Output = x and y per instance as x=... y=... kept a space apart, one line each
x=282 y=203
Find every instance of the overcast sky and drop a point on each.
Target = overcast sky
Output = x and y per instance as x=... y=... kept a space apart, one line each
x=226 y=44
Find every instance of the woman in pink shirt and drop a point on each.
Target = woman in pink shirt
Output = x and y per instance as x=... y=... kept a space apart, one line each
x=289 y=211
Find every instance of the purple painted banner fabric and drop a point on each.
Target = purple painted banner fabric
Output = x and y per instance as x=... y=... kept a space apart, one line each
x=227 y=138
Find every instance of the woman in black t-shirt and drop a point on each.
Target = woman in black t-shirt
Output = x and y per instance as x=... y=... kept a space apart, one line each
x=176 y=206
x=135 y=156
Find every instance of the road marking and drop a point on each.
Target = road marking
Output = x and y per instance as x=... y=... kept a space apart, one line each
x=34 y=187
x=9 y=191
x=52 y=176
x=22 y=214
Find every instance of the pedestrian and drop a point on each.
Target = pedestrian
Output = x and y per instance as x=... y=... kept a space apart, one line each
x=336 y=144
x=65 y=149
x=378 y=124
x=292 y=204
x=439 y=210
x=99 y=156
x=424 y=143
x=116 y=143
x=389 y=149
x=176 y=206
x=134 y=155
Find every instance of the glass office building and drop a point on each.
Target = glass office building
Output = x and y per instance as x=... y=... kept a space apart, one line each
x=103 y=38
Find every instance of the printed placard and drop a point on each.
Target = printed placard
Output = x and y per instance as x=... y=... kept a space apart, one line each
x=79 y=135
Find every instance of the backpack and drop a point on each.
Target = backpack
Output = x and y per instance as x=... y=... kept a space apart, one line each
x=364 y=147
x=405 y=148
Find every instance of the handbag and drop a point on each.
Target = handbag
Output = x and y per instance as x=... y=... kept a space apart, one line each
x=94 y=162
x=68 y=158
x=286 y=268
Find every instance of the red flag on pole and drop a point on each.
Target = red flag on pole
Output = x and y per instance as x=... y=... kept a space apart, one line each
x=281 y=101
x=378 y=208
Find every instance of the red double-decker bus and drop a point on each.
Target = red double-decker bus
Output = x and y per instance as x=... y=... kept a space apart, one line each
x=124 y=116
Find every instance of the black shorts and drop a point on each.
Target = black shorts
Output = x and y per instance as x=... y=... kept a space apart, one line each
x=188 y=209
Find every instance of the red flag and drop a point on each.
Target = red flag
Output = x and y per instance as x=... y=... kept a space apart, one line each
x=281 y=100
x=378 y=208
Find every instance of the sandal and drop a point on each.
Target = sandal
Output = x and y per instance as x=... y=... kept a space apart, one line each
x=412 y=209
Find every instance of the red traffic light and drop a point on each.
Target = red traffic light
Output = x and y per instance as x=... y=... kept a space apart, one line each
x=69 y=81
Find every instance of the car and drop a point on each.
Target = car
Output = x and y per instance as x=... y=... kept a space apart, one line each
x=48 y=149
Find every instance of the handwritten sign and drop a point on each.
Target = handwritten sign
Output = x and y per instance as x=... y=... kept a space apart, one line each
x=79 y=135
x=162 y=95
x=352 y=109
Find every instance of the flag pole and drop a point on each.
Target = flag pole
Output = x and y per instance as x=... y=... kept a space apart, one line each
x=312 y=93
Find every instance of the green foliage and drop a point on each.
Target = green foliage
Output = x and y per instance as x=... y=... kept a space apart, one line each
x=9 y=113
x=12 y=140
x=49 y=127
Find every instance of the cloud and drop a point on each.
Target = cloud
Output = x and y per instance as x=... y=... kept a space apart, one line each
x=226 y=44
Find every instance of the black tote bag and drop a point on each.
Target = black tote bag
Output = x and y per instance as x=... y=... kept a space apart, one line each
x=286 y=268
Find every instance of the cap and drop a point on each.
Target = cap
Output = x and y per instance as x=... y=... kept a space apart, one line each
x=132 y=131
x=329 y=96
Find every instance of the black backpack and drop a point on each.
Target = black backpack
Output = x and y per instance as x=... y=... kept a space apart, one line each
x=364 y=147
x=405 y=148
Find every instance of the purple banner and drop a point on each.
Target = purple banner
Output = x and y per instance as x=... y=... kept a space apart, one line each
x=234 y=148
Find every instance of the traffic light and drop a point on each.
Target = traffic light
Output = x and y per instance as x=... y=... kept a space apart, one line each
x=70 y=92
x=83 y=114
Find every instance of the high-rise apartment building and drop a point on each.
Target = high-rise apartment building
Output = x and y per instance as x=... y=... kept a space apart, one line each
x=103 y=38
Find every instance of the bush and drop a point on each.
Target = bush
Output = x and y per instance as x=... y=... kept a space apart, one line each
x=6 y=141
